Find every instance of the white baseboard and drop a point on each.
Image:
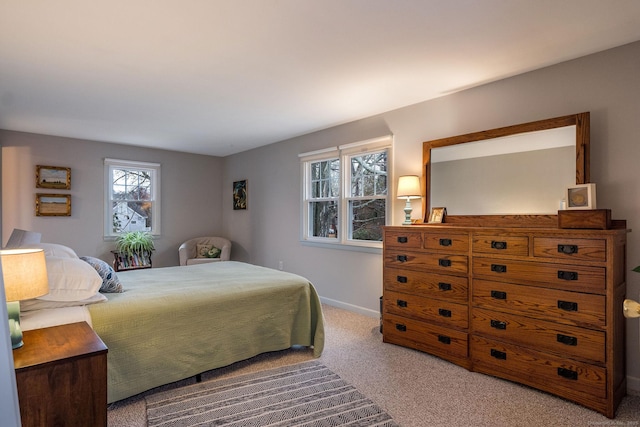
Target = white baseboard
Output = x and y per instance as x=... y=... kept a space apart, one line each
x=633 y=385
x=350 y=307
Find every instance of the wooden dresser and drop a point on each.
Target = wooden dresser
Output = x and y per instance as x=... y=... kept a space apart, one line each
x=538 y=306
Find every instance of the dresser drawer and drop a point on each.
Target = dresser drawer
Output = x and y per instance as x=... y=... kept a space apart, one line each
x=501 y=244
x=438 y=263
x=410 y=239
x=440 y=286
x=570 y=249
x=561 y=276
x=446 y=241
x=565 y=340
x=425 y=337
x=573 y=308
x=420 y=308
x=558 y=375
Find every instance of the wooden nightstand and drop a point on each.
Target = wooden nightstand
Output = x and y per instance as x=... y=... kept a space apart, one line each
x=61 y=374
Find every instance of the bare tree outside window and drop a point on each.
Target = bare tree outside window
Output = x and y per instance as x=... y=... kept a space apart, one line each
x=325 y=192
x=346 y=196
x=132 y=205
x=367 y=201
x=132 y=196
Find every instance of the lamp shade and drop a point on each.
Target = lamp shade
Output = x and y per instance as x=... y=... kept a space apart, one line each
x=24 y=272
x=409 y=187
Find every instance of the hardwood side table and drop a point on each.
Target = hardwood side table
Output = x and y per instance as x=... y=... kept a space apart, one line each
x=61 y=376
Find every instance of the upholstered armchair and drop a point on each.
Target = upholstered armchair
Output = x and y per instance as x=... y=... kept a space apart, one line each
x=189 y=254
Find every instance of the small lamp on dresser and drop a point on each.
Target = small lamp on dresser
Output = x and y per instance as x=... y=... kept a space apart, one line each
x=24 y=273
x=408 y=188
x=631 y=309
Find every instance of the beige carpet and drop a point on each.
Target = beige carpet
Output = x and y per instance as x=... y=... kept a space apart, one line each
x=416 y=389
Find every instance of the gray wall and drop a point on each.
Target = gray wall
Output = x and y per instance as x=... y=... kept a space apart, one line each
x=197 y=189
x=191 y=192
x=607 y=84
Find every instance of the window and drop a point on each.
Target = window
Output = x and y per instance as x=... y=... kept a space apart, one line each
x=132 y=197
x=346 y=195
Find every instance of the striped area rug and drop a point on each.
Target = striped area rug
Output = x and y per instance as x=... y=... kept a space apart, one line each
x=306 y=394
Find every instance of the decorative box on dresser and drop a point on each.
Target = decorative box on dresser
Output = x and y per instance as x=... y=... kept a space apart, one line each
x=538 y=306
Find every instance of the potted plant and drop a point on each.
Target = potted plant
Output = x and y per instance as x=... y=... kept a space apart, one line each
x=137 y=246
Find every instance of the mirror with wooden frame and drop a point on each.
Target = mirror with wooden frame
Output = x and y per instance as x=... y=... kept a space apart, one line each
x=510 y=176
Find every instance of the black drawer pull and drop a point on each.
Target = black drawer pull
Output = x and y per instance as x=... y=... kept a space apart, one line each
x=402 y=258
x=498 y=245
x=444 y=286
x=402 y=279
x=498 y=268
x=497 y=324
x=445 y=242
x=568 y=249
x=401 y=327
x=498 y=295
x=567 y=339
x=567 y=275
x=567 y=373
x=498 y=354
x=567 y=305
x=444 y=262
x=402 y=239
x=444 y=339
x=401 y=303
x=444 y=313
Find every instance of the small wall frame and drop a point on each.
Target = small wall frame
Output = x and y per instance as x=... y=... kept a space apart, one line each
x=581 y=196
x=56 y=177
x=53 y=204
x=240 y=195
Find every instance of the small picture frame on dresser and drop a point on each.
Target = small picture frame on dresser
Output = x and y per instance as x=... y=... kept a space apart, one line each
x=437 y=215
x=581 y=196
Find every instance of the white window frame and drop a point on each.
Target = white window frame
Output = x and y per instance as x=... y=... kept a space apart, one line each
x=344 y=154
x=153 y=169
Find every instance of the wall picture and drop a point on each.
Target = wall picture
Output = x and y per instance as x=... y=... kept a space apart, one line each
x=53 y=205
x=240 y=195
x=55 y=177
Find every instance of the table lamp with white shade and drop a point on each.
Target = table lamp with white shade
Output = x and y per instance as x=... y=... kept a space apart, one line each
x=24 y=273
x=409 y=188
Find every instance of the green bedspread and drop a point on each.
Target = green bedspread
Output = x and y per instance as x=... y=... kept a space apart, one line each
x=175 y=322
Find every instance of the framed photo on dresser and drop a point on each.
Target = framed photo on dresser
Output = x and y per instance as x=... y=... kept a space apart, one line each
x=437 y=215
x=581 y=196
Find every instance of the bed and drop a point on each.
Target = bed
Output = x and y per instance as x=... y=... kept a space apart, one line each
x=176 y=322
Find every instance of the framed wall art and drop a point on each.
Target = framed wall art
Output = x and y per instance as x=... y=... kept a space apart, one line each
x=581 y=196
x=55 y=177
x=53 y=205
x=240 y=195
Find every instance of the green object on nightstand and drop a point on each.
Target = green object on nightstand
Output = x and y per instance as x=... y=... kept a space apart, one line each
x=13 y=308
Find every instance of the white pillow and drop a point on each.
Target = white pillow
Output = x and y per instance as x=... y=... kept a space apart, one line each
x=38 y=304
x=70 y=280
x=53 y=250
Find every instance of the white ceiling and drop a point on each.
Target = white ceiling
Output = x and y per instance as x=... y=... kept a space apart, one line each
x=223 y=76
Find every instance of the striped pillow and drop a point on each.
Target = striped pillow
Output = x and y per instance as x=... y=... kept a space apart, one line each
x=110 y=281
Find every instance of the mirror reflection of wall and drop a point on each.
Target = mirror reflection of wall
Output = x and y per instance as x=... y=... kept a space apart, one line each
x=500 y=176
